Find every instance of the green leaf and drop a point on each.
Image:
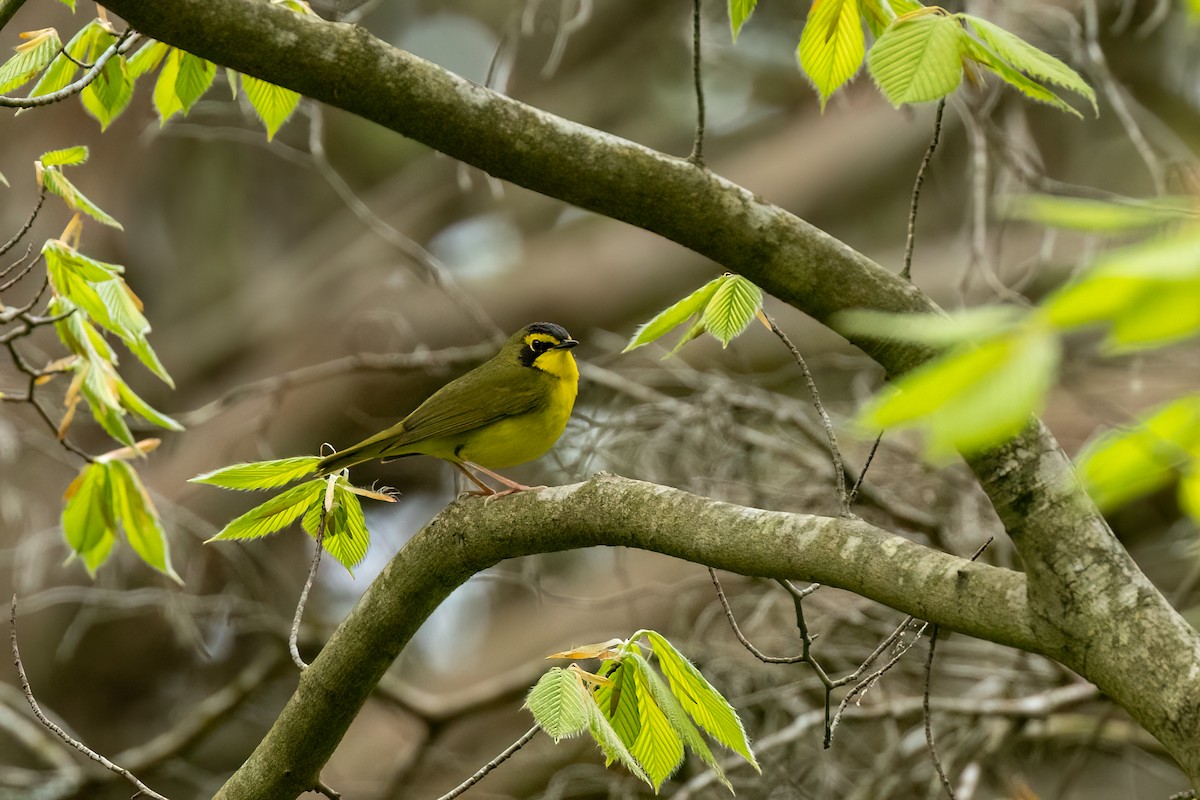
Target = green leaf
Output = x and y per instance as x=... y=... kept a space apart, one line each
x=66 y=157
x=146 y=59
x=69 y=4
x=732 y=308
x=109 y=93
x=559 y=704
x=1094 y=216
x=273 y=104
x=195 y=76
x=676 y=716
x=619 y=702
x=57 y=183
x=32 y=57
x=674 y=316
x=935 y=330
x=980 y=53
x=62 y=69
x=166 y=98
x=1123 y=465
x=609 y=742
x=87 y=516
x=831 y=46
x=99 y=389
x=658 y=747
x=1023 y=56
x=700 y=700
x=739 y=12
x=261 y=474
x=347 y=538
x=275 y=514
x=132 y=402
x=139 y=519
x=1164 y=312
x=973 y=397
x=918 y=59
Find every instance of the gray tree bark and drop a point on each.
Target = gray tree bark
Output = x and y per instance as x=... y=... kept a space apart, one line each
x=1083 y=601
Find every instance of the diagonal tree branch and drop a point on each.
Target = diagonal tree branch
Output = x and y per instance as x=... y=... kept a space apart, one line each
x=1090 y=603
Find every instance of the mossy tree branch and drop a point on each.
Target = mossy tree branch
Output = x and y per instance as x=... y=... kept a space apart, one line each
x=1089 y=602
x=977 y=599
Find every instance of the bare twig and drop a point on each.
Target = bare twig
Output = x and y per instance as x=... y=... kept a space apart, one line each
x=741 y=637
x=491 y=765
x=24 y=229
x=125 y=41
x=863 y=472
x=937 y=762
x=911 y=238
x=294 y=636
x=697 y=154
x=25 y=270
x=839 y=471
x=143 y=789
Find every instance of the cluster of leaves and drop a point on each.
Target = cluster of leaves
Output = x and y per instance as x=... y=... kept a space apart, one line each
x=919 y=53
x=635 y=715
x=91 y=301
x=723 y=307
x=327 y=506
x=999 y=362
x=182 y=78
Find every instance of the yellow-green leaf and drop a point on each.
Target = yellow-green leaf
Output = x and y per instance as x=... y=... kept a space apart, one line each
x=658 y=746
x=260 y=474
x=31 y=58
x=739 y=12
x=558 y=703
x=109 y=93
x=139 y=519
x=674 y=316
x=731 y=308
x=273 y=104
x=66 y=157
x=831 y=46
x=275 y=514
x=918 y=59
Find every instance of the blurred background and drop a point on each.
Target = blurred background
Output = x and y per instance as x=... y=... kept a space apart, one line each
x=259 y=262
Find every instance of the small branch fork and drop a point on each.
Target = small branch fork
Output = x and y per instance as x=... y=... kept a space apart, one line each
x=123 y=43
x=143 y=789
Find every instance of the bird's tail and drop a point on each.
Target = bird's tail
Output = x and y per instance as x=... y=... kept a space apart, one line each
x=366 y=450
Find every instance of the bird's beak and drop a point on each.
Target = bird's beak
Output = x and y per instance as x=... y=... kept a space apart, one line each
x=565 y=344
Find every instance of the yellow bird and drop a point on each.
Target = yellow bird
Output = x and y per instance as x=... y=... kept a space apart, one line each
x=508 y=410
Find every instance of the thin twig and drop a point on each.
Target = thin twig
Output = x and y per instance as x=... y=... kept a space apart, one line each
x=143 y=789
x=7 y=9
x=863 y=472
x=491 y=765
x=294 y=636
x=937 y=762
x=911 y=238
x=24 y=229
x=839 y=470
x=25 y=270
x=125 y=41
x=323 y=788
x=741 y=637
x=697 y=154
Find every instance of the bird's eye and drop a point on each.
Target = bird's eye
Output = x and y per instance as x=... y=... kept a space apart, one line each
x=538 y=345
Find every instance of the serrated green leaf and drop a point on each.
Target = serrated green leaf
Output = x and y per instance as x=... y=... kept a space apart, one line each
x=146 y=59
x=99 y=389
x=140 y=347
x=195 y=76
x=1094 y=216
x=166 y=99
x=918 y=59
x=609 y=742
x=31 y=58
x=348 y=538
x=62 y=69
x=273 y=104
x=658 y=747
x=132 y=402
x=700 y=700
x=1023 y=56
x=57 y=183
x=109 y=93
x=260 y=474
x=66 y=157
x=620 y=703
x=935 y=330
x=973 y=397
x=87 y=515
x=139 y=519
x=732 y=308
x=831 y=45
x=981 y=54
x=739 y=12
x=674 y=316
x=559 y=704
x=275 y=514
x=1123 y=465
x=677 y=716
x=693 y=332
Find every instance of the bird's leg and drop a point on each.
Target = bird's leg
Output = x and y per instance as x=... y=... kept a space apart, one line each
x=512 y=485
x=484 y=489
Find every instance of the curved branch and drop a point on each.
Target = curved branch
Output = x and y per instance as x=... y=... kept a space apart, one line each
x=983 y=601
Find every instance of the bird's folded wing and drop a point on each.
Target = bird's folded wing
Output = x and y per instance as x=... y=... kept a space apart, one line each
x=457 y=408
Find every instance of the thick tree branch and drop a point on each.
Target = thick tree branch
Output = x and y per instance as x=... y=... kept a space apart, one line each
x=1091 y=604
x=983 y=601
